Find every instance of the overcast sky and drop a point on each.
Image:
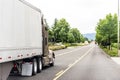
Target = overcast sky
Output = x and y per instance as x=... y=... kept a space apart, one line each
x=82 y=14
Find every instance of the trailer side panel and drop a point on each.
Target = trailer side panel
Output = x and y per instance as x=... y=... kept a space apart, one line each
x=20 y=31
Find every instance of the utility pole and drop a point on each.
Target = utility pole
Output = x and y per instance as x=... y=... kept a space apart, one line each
x=118 y=30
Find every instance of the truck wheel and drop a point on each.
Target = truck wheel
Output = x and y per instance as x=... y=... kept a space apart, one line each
x=34 y=67
x=39 y=65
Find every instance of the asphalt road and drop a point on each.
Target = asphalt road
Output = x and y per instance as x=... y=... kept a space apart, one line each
x=80 y=63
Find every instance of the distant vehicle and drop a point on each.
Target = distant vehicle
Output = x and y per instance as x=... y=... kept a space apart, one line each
x=23 y=39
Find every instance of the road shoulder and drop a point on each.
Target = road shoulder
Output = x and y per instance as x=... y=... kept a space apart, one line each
x=116 y=59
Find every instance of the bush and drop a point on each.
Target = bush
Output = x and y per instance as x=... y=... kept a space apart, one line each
x=114 y=45
x=73 y=44
x=57 y=47
x=67 y=44
x=112 y=53
x=50 y=43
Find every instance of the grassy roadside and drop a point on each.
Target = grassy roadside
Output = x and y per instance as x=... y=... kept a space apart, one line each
x=59 y=46
x=73 y=44
x=112 y=52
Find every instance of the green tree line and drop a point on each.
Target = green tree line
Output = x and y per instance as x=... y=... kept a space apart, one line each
x=106 y=30
x=62 y=32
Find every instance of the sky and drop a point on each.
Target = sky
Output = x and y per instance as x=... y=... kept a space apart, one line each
x=81 y=14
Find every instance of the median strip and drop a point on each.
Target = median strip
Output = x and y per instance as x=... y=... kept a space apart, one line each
x=69 y=67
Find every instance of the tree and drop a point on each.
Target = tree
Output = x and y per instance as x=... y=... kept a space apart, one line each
x=82 y=38
x=64 y=29
x=55 y=30
x=61 y=29
x=86 y=39
x=61 y=32
x=76 y=34
x=107 y=30
x=71 y=38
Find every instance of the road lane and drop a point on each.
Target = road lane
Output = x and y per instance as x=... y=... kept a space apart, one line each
x=62 y=72
x=62 y=62
x=67 y=51
x=95 y=66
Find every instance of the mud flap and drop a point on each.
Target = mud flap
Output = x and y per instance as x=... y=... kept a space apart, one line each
x=26 y=69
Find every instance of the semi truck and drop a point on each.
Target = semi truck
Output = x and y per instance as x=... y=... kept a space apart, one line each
x=23 y=39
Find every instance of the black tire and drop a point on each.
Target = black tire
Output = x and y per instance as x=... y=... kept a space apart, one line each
x=39 y=65
x=34 y=68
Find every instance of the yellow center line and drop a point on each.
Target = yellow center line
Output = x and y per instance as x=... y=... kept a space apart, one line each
x=59 y=73
x=71 y=65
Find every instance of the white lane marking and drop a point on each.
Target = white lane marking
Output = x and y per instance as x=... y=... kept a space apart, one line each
x=68 y=52
x=69 y=67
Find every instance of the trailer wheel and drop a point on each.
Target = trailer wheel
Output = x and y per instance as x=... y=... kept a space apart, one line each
x=39 y=65
x=34 y=67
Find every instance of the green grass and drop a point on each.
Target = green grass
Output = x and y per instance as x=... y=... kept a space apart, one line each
x=55 y=47
x=73 y=44
x=114 y=45
x=58 y=46
x=112 y=53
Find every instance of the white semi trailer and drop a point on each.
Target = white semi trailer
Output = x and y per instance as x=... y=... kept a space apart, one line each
x=23 y=39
